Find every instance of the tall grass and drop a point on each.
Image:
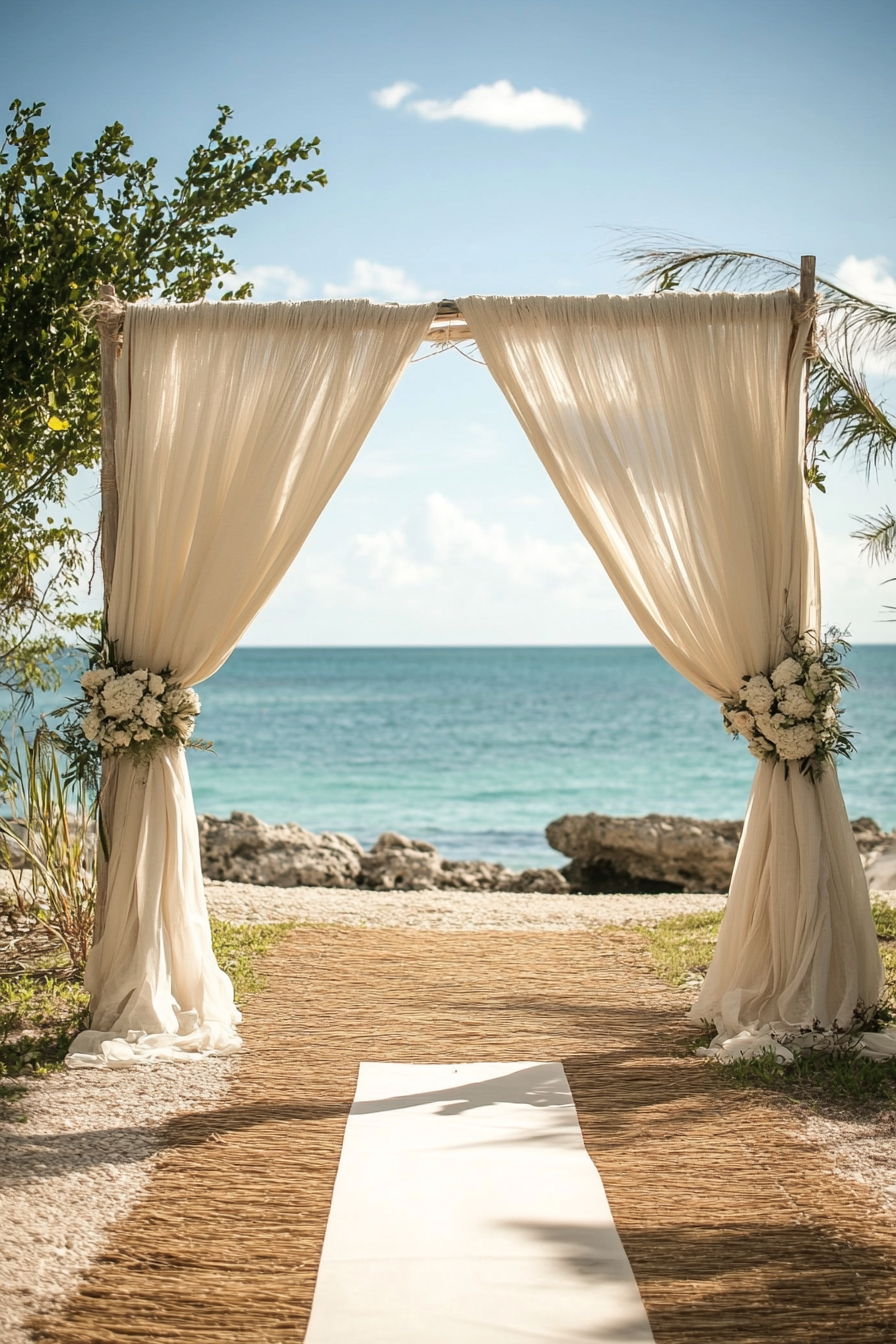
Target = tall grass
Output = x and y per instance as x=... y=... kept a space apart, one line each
x=47 y=840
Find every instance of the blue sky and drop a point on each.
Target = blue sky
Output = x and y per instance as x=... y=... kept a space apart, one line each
x=767 y=126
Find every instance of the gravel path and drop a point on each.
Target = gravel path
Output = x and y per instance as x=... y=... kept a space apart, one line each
x=78 y=1148
x=529 y=911
x=863 y=1151
x=75 y=1154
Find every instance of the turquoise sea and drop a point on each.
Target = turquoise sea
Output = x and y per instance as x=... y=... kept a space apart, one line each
x=477 y=749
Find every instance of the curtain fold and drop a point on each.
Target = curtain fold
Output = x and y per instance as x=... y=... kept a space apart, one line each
x=236 y=424
x=672 y=426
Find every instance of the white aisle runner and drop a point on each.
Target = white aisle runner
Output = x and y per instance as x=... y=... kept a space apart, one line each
x=467 y=1211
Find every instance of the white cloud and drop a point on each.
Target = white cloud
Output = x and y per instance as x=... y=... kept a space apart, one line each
x=500 y=104
x=370 y=278
x=440 y=576
x=433 y=573
x=390 y=559
x=272 y=282
x=527 y=562
x=393 y=95
x=452 y=545
x=869 y=278
x=854 y=591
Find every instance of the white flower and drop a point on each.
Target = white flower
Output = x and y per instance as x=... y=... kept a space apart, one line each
x=183 y=726
x=757 y=694
x=121 y=696
x=786 y=673
x=794 y=702
x=795 y=743
x=817 y=676
x=830 y=715
x=770 y=725
x=760 y=748
x=150 y=711
x=742 y=721
x=140 y=674
x=155 y=683
x=142 y=735
x=91 y=725
x=96 y=678
x=182 y=700
x=119 y=738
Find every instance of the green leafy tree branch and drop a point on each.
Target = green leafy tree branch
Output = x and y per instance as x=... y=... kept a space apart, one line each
x=102 y=218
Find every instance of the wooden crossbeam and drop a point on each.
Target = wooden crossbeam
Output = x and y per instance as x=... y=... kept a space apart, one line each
x=448 y=325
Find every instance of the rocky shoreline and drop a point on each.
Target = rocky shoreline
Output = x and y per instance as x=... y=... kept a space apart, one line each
x=243 y=849
x=635 y=855
x=607 y=855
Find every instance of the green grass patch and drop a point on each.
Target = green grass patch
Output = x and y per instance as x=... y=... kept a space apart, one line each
x=42 y=1011
x=240 y=947
x=681 y=948
x=39 y=1015
x=850 y=1082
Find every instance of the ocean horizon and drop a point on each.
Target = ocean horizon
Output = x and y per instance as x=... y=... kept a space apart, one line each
x=476 y=749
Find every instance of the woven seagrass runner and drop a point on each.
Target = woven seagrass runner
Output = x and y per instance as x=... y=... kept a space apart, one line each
x=735 y=1228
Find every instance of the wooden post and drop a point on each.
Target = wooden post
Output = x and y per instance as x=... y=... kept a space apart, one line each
x=807 y=281
x=807 y=308
x=109 y=329
x=109 y=314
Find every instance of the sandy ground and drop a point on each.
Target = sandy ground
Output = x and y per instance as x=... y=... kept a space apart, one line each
x=78 y=1148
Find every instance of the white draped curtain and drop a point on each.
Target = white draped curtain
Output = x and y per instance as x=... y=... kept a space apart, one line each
x=236 y=423
x=672 y=426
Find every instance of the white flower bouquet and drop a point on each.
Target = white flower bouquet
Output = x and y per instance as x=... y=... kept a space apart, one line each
x=124 y=710
x=135 y=710
x=791 y=713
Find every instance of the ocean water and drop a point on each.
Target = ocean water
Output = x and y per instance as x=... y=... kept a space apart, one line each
x=477 y=749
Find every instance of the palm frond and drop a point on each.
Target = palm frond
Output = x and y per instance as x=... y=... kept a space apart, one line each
x=655 y=259
x=841 y=405
x=878 y=537
x=861 y=326
x=665 y=261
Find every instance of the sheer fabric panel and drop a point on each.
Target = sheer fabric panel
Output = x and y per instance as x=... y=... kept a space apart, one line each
x=671 y=425
x=236 y=424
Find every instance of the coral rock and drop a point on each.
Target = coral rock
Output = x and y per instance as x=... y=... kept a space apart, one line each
x=646 y=854
x=243 y=849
